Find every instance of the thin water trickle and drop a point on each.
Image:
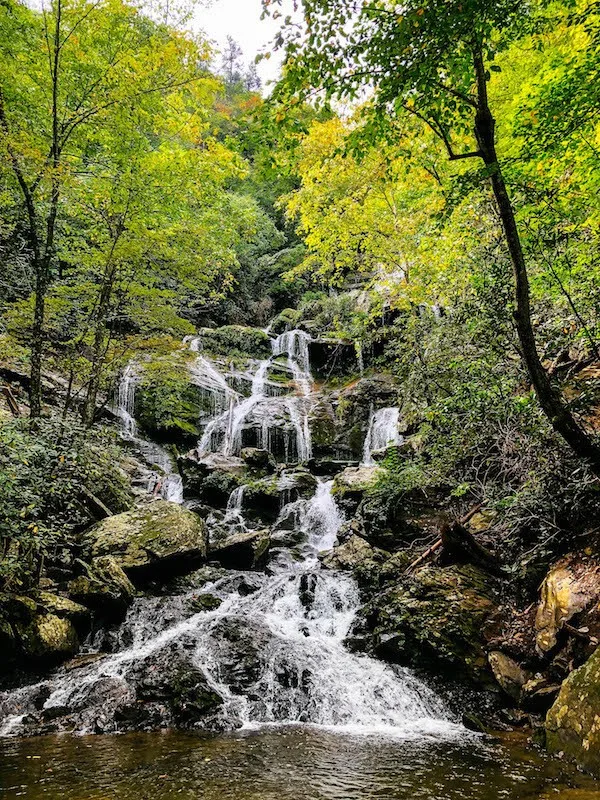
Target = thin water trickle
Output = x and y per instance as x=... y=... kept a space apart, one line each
x=382 y=432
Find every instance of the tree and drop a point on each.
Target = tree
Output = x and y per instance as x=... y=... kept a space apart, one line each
x=67 y=74
x=231 y=63
x=432 y=60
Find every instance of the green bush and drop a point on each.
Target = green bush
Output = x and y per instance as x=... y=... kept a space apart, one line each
x=52 y=477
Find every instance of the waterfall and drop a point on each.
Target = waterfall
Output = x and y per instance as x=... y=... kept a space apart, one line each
x=381 y=433
x=168 y=481
x=260 y=411
x=275 y=655
x=295 y=345
x=126 y=401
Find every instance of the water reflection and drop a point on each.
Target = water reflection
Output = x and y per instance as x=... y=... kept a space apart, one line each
x=281 y=764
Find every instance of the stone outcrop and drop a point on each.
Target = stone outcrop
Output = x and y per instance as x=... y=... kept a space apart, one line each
x=435 y=619
x=103 y=587
x=571 y=586
x=573 y=722
x=246 y=550
x=150 y=541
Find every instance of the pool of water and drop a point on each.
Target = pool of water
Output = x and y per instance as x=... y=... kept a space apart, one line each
x=281 y=764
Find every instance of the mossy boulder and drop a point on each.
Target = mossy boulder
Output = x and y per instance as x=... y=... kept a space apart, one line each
x=351 y=486
x=259 y=459
x=573 y=721
x=152 y=541
x=103 y=587
x=48 y=638
x=212 y=478
x=236 y=340
x=435 y=619
x=245 y=550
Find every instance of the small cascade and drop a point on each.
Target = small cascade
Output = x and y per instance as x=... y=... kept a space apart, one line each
x=234 y=517
x=165 y=482
x=126 y=401
x=233 y=439
x=275 y=655
x=382 y=432
x=295 y=345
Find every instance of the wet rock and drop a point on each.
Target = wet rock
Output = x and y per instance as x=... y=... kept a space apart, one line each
x=351 y=485
x=240 y=645
x=508 y=673
x=573 y=721
x=159 y=538
x=206 y=602
x=171 y=687
x=435 y=619
x=212 y=478
x=246 y=550
x=571 y=586
x=104 y=587
x=258 y=459
x=538 y=694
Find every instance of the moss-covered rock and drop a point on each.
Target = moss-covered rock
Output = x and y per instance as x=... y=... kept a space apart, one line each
x=573 y=721
x=211 y=479
x=236 y=340
x=103 y=587
x=258 y=459
x=435 y=619
x=48 y=638
x=159 y=538
x=61 y=607
x=571 y=586
x=351 y=486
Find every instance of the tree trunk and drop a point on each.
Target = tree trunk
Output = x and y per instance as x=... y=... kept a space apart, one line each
x=549 y=397
x=37 y=343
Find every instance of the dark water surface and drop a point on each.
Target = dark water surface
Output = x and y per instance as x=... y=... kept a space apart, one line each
x=280 y=764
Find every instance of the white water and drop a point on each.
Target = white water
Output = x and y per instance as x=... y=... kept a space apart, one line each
x=300 y=671
x=166 y=481
x=382 y=432
x=260 y=411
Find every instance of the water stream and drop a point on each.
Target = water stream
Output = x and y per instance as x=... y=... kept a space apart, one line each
x=165 y=481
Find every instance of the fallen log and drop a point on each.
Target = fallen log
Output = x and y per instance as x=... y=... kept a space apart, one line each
x=439 y=542
x=11 y=401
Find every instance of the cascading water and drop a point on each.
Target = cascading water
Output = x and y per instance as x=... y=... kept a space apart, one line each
x=262 y=412
x=382 y=432
x=274 y=654
x=167 y=480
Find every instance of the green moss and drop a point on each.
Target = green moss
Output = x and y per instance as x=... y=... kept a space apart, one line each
x=573 y=722
x=236 y=340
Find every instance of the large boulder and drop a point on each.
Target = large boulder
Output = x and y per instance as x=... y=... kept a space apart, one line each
x=572 y=586
x=158 y=539
x=41 y=630
x=573 y=722
x=351 y=485
x=211 y=478
x=436 y=619
x=103 y=587
x=245 y=550
x=48 y=639
x=258 y=459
